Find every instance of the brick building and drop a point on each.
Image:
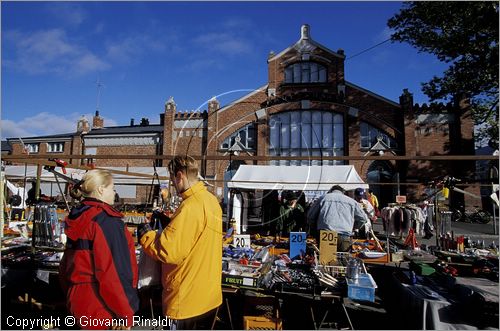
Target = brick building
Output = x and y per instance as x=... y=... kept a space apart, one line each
x=306 y=108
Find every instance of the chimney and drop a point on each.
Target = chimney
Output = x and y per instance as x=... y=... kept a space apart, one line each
x=144 y=121
x=131 y=122
x=213 y=105
x=162 y=119
x=83 y=125
x=97 y=121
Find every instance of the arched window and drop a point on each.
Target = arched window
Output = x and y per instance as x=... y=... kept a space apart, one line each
x=305 y=72
x=306 y=133
x=247 y=138
x=369 y=136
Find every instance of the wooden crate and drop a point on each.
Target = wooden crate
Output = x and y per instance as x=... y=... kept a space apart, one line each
x=261 y=323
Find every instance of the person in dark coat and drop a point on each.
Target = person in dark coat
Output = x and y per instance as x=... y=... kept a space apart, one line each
x=292 y=216
x=98 y=271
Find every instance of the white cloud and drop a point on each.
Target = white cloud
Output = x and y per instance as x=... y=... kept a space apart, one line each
x=45 y=123
x=223 y=42
x=130 y=48
x=69 y=13
x=50 y=51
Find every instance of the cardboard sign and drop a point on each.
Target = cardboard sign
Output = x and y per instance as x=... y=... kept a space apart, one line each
x=241 y=241
x=297 y=244
x=327 y=247
x=400 y=198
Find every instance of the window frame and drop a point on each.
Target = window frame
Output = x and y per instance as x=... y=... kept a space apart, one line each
x=32 y=148
x=50 y=148
x=294 y=73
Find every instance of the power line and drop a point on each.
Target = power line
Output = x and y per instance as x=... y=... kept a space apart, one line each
x=366 y=50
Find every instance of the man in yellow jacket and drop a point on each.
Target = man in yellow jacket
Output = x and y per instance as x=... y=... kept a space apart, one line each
x=190 y=249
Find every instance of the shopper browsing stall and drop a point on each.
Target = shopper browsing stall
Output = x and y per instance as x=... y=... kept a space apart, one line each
x=337 y=212
x=372 y=198
x=190 y=249
x=359 y=196
x=99 y=269
x=292 y=216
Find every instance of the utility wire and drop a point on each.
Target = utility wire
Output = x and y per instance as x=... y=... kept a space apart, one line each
x=366 y=50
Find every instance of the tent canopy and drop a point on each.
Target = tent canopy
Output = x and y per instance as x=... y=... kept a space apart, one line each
x=301 y=178
x=18 y=173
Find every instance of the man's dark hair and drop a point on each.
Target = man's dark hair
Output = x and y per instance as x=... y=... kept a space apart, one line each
x=337 y=188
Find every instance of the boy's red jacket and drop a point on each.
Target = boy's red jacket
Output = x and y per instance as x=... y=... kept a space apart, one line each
x=100 y=255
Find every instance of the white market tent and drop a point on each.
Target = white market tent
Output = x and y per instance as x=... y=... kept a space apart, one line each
x=297 y=178
x=124 y=184
x=18 y=173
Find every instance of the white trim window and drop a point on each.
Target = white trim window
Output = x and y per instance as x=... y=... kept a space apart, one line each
x=247 y=138
x=369 y=136
x=55 y=147
x=32 y=148
x=315 y=133
x=305 y=72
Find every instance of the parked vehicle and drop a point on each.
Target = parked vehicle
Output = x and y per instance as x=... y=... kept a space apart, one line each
x=474 y=215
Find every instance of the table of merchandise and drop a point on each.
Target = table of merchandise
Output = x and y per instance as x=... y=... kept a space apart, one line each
x=428 y=304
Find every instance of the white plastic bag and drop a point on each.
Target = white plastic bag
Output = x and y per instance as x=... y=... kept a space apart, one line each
x=149 y=268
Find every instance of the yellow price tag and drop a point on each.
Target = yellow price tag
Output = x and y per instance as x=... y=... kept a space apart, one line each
x=327 y=247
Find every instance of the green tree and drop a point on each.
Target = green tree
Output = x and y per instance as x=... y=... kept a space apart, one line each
x=464 y=34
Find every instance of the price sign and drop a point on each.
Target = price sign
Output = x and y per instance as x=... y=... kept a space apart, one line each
x=242 y=241
x=327 y=247
x=401 y=198
x=297 y=244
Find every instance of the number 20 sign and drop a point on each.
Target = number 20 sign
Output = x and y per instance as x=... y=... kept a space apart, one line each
x=242 y=240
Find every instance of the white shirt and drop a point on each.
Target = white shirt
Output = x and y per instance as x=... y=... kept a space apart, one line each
x=18 y=191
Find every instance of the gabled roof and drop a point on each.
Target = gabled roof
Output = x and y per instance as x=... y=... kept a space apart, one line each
x=375 y=95
x=136 y=129
x=36 y=138
x=306 y=44
x=257 y=90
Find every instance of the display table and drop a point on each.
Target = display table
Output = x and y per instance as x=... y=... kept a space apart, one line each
x=426 y=306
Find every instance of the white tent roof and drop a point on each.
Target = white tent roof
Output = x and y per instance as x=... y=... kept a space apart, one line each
x=303 y=178
x=18 y=173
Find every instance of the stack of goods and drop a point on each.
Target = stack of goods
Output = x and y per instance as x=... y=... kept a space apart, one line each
x=291 y=276
x=16 y=256
x=242 y=267
x=47 y=228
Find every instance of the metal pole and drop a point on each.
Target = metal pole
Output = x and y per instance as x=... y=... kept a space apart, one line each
x=436 y=217
x=494 y=205
x=60 y=190
x=397 y=179
x=494 y=219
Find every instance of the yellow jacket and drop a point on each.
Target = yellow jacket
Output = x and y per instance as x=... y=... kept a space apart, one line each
x=190 y=249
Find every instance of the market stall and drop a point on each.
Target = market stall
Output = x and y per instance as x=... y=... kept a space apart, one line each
x=298 y=178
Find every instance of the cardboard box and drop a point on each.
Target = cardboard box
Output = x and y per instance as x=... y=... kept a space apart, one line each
x=240 y=281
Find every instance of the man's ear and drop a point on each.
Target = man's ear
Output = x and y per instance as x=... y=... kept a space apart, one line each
x=178 y=175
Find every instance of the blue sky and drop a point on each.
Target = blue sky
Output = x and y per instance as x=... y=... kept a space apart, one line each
x=144 y=52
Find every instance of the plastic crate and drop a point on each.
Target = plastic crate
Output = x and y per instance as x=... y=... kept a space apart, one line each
x=261 y=323
x=363 y=289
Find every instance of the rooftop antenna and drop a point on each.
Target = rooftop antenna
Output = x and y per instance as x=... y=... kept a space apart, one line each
x=99 y=84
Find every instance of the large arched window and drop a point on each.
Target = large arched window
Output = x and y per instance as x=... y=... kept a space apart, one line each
x=369 y=136
x=305 y=72
x=247 y=138
x=306 y=133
